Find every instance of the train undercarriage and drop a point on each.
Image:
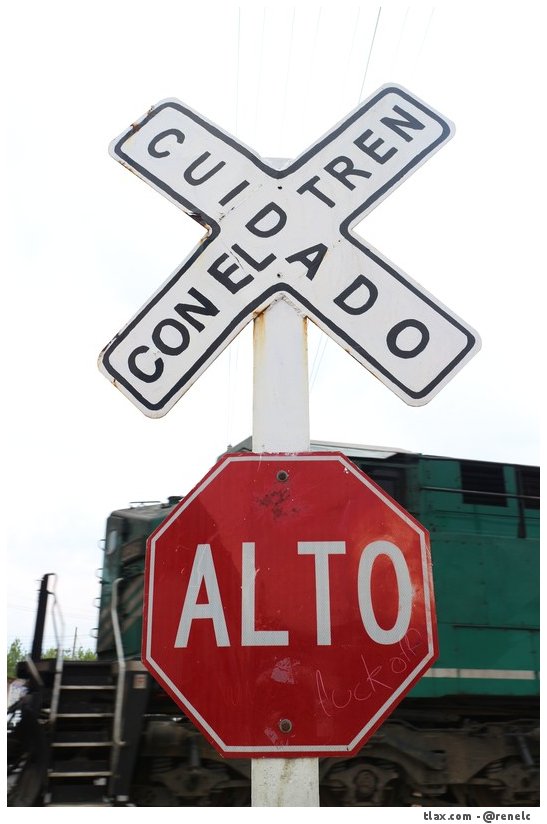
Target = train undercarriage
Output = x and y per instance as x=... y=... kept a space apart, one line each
x=444 y=753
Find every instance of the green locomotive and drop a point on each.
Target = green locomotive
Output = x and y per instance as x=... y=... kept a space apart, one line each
x=467 y=734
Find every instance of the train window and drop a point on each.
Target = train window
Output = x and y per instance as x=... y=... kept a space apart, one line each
x=390 y=478
x=528 y=485
x=111 y=541
x=483 y=483
x=116 y=533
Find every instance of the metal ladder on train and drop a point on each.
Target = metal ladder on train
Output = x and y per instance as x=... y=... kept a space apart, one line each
x=85 y=725
x=83 y=750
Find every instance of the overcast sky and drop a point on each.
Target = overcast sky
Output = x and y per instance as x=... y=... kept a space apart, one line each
x=88 y=243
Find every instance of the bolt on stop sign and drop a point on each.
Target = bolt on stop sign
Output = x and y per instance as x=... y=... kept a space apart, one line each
x=288 y=605
x=289 y=232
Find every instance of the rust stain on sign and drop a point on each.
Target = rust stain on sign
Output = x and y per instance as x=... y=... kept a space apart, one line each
x=279 y=502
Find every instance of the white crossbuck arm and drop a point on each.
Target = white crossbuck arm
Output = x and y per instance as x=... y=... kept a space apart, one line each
x=273 y=232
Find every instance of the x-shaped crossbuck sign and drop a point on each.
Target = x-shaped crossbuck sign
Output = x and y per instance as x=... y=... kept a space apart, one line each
x=287 y=233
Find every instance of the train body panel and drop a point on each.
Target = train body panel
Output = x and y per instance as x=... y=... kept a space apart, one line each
x=467 y=732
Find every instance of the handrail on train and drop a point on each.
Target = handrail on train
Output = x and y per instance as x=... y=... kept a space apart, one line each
x=118 y=742
x=59 y=632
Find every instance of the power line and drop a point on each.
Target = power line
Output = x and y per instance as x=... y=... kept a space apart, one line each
x=320 y=351
x=353 y=39
x=394 y=59
x=313 y=54
x=369 y=55
x=284 y=115
x=237 y=69
x=259 y=80
x=424 y=38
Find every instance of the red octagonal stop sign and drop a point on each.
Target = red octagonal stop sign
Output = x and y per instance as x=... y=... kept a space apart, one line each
x=288 y=605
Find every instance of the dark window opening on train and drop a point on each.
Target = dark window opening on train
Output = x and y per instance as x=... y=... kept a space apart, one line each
x=528 y=486
x=391 y=479
x=483 y=483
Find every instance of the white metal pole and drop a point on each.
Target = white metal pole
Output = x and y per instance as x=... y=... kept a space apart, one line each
x=281 y=417
x=281 y=424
